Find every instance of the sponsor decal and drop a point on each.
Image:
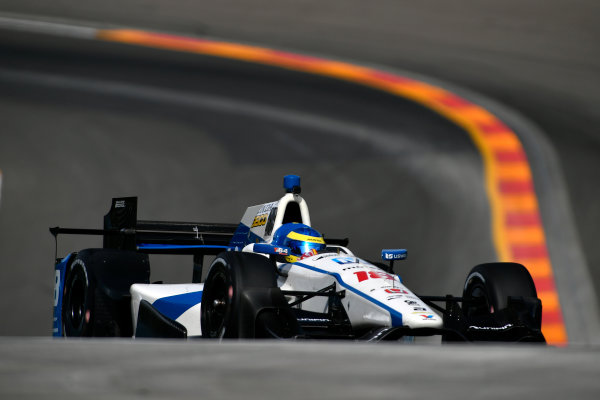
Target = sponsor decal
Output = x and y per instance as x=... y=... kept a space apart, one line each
x=266 y=208
x=259 y=220
x=309 y=253
x=57 y=281
x=425 y=316
x=352 y=267
x=398 y=296
x=280 y=250
x=364 y=275
x=120 y=204
x=419 y=309
x=306 y=238
x=394 y=256
x=396 y=290
x=314 y=239
x=491 y=328
x=346 y=260
x=263 y=214
x=411 y=302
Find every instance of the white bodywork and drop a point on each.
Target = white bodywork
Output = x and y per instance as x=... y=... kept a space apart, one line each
x=257 y=217
x=372 y=297
x=168 y=300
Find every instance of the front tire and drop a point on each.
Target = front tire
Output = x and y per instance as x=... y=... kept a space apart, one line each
x=500 y=304
x=218 y=306
x=488 y=287
x=241 y=299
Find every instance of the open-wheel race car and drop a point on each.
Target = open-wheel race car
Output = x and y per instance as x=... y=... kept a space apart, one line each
x=273 y=276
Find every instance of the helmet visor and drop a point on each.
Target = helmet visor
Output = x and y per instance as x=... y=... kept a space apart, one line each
x=300 y=247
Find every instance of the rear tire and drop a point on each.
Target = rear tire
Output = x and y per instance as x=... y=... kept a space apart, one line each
x=96 y=298
x=79 y=301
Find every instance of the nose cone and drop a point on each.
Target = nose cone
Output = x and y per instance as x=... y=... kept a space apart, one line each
x=423 y=320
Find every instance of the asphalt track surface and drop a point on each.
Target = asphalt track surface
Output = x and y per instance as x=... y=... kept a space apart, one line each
x=166 y=369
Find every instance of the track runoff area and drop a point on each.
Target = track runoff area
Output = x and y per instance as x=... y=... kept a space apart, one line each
x=517 y=231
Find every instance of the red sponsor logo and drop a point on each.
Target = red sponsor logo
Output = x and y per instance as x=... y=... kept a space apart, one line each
x=364 y=275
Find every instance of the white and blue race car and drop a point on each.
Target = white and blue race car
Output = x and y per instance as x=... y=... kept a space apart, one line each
x=272 y=276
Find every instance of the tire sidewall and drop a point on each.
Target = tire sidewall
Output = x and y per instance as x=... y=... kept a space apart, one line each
x=78 y=273
x=243 y=271
x=499 y=281
x=221 y=268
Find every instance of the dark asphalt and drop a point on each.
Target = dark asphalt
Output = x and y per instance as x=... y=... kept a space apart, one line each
x=122 y=369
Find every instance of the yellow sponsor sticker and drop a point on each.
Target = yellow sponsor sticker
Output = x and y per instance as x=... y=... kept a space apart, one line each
x=259 y=220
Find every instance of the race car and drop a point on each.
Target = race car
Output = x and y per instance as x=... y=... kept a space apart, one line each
x=273 y=275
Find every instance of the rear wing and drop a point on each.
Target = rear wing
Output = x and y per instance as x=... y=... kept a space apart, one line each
x=122 y=230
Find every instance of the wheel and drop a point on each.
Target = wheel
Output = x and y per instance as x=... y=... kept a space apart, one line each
x=240 y=298
x=96 y=298
x=488 y=287
x=230 y=274
x=216 y=313
x=78 y=303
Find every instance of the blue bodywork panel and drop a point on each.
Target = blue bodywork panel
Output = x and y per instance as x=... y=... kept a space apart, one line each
x=173 y=306
x=148 y=246
x=393 y=254
x=243 y=237
x=59 y=284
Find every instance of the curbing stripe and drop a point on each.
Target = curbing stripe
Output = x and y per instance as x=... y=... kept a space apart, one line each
x=509 y=183
x=523 y=202
x=522 y=218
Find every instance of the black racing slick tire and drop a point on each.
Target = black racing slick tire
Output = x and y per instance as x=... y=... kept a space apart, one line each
x=488 y=287
x=96 y=292
x=240 y=299
x=500 y=304
x=78 y=302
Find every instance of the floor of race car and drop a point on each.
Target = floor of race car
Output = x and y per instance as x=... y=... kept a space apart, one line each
x=119 y=369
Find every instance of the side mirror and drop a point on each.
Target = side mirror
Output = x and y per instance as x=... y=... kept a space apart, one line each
x=266 y=248
x=392 y=255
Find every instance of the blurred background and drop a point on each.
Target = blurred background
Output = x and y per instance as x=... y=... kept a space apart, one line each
x=200 y=139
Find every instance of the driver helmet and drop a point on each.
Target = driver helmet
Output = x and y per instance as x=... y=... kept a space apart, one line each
x=302 y=240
